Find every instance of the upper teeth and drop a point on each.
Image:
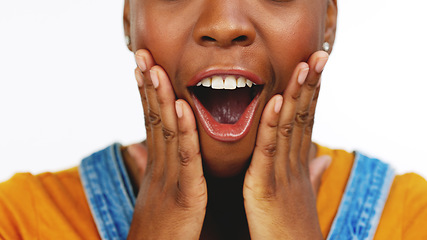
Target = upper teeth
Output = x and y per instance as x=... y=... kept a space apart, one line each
x=228 y=82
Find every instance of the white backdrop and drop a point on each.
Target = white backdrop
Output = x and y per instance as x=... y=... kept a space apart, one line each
x=67 y=87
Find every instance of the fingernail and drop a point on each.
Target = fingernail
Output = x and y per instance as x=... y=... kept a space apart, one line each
x=138 y=77
x=178 y=109
x=321 y=64
x=278 y=104
x=141 y=61
x=302 y=75
x=154 y=78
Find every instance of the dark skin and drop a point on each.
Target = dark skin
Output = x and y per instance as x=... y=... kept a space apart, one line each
x=259 y=187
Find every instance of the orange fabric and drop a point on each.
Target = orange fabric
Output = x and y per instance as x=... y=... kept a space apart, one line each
x=45 y=206
x=405 y=212
x=53 y=205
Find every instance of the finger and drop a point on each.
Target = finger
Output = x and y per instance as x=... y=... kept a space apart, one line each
x=166 y=101
x=139 y=78
x=303 y=119
x=144 y=60
x=148 y=142
x=156 y=153
x=262 y=164
x=317 y=167
x=191 y=178
x=285 y=129
x=306 y=141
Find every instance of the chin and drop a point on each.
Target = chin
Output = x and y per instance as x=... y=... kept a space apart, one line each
x=221 y=166
x=225 y=159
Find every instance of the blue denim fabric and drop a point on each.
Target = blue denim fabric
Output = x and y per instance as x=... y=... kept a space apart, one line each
x=108 y=191
x=111 y=199
x=363 y=200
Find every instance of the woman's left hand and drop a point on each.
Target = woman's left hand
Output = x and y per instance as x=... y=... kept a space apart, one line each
x=279 y=199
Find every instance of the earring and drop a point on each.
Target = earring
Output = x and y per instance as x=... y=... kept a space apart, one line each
x=326 y=47
x=127 y=40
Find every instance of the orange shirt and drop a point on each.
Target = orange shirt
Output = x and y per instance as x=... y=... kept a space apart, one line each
x=53 y=205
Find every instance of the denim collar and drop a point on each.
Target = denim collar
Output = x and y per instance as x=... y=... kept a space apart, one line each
x=111 y=199
x=108 y=191
x=364 y=199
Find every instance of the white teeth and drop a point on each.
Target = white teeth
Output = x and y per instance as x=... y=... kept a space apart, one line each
x=217 y=82
x=230 y=82
x=206 y=82
x=241 y=82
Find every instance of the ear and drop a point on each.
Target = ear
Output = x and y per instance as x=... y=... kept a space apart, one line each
x=126 y=23
x=331 y=23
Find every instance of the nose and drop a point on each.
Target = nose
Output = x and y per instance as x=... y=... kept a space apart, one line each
x=223 y=24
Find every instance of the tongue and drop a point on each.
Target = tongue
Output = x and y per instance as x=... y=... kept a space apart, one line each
x=226 y=106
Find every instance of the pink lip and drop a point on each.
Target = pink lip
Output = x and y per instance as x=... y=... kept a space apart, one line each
x=232 y=71
x=226 y=132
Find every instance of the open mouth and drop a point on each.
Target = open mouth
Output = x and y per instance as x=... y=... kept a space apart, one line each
x=225 y=105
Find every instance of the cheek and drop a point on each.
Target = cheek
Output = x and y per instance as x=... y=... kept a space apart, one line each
x=162 y=43
x=299 y=37
x=163 y=37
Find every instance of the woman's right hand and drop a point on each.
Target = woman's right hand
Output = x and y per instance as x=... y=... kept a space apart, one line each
x=172 y=197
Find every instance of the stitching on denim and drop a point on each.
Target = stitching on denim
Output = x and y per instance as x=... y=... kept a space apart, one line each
x=105 y=186
x=363 y=200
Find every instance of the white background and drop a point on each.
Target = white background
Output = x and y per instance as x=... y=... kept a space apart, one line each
x=67 y=87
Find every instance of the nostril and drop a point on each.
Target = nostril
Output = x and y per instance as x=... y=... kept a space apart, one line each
x=208 y=39
x=225 y=40
x=241 y=38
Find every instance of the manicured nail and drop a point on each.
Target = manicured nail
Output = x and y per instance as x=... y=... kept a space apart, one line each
x=178 y=109
x=278 y=104
x=141 y=61
x=302 y=75
x=154 y=78
x=138 y=77
x=321 y=64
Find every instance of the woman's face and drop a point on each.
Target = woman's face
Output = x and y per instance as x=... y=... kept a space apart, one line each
x=258 y=40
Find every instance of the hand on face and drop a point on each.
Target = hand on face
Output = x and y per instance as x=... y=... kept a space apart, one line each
x=173 y=196
x=279 y=198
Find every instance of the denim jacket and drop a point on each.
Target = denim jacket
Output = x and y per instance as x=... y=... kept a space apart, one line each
x=111 y=199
